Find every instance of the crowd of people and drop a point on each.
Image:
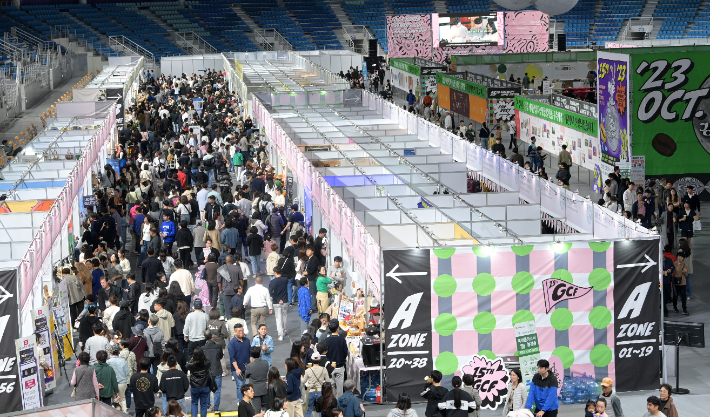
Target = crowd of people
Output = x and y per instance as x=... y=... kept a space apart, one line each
x=197 y=199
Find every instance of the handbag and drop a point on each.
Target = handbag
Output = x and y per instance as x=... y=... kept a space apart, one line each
x=213 y=383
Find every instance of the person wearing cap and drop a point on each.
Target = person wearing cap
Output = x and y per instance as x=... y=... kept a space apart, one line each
x=195 y=326
x=120 y=368
x=313 y=379
x=239 y=357
x=613 y=402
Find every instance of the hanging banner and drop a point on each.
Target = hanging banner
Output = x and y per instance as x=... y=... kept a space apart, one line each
x=10 y=396
x=44 y=325
x=638 y=169
x=637 y=314
x=30 y=389
x=613 y=99
x=118 y=95
x=409 y=330
x=671 y=116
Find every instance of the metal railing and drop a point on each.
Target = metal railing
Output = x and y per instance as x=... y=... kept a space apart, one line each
x=638 y=22
x=353 y=33
x=193 y=43
x=129 y=47
x=272 y=40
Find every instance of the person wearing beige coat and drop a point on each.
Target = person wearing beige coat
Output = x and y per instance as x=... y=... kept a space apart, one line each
x=517 y=393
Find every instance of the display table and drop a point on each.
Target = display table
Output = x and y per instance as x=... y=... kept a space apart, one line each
x=355 y=366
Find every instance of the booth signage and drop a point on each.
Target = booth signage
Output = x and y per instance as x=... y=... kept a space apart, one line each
x=117 y=94
x=503 y=92
x=405 y=66
x=557 y=115
x=10 y=396
x=528 y=349
x=576 y=106
x=44 y=325
x=638 y=169
x=461 y=85
x=637 y=315
x=408 y=332
x=89 y=200
x=30 y=388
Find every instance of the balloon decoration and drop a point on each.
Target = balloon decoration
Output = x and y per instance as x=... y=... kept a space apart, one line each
x=592 y=65
x=493 y=68
x=534 y=70
x=502 y=69
x=514 y=4
x=555 y=7
x=501 y=76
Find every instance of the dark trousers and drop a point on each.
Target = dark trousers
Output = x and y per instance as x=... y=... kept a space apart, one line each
x=191 y=345
x=155 y=362
x=214 y=292
x=140 y=413
x=169 y=247
x=199 y=257
x=667 y=297
x=680 y=293
x=106 y=400
x=75 y=310
x=186 y=257
x=313 y=290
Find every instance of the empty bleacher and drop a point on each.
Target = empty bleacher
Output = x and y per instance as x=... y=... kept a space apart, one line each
x=676 y=15
x=370 y=13
x=270 y=14
x=317 y=20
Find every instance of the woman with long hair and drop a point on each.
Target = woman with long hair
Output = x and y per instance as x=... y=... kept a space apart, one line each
x=517 y=392
x=276 y=387
x=278 y=408
x=674 y=200
x=174 y=345
x=403 y=407
x=199 y=368
x=174 y=409
x=327 y=401
x=457 y=402
x=181 y=312
x=297 y=354
x=293 y=387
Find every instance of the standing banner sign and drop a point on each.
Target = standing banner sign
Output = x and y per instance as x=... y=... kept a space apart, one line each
x=44 y=325
x=671 y=119
x=528 y=349
x=197 y=102
x=118 y=95
x=10 y=396
x=614 y=115
x=638 y=169
x=637 y=315
x=408 y=332
x=30 y=386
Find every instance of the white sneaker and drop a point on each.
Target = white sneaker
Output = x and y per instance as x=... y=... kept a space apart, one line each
x=232 y=377
x=281 y=338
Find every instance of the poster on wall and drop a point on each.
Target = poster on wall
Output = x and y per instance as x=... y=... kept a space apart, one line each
x=10 y=397
x=613 y=100
x=409 y=36
x=671 y=117
x=118 y=95
x=30 y=389
x=408 y=334
x=479 y=297
x=44 y=326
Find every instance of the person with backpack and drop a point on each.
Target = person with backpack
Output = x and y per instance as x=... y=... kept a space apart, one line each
x=276 y=226
x=208 y=162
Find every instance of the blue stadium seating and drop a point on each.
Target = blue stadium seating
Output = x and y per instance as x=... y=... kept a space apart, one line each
x=676 y=15
x=370 y=13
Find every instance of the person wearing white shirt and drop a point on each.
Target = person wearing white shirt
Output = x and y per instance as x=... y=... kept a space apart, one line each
x=184 y=278
x=629 y=197
x=202 y=200
x=260 y=303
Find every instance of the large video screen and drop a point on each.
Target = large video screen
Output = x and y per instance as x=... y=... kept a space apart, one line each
x=467 y=29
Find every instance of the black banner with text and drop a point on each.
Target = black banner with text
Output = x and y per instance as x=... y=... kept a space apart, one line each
x=638 y=314
x=117 y=94
x=407 y=329
x=10 y=391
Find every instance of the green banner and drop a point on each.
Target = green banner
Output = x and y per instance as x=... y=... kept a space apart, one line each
x=405 y=66
x=462 y=85
x=554 y=114
x=671 y=113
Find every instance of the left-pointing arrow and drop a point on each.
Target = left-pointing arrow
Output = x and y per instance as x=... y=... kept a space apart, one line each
x=394 y=276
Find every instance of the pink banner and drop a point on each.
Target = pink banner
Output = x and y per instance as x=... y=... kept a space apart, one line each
x=556 y=291
x=409 y=36
x=335 y=209
x=346 y=227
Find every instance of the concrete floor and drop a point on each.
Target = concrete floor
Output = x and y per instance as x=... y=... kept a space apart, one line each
x=694 y=362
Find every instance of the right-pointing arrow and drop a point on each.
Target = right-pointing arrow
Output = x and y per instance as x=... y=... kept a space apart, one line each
x=647 y=265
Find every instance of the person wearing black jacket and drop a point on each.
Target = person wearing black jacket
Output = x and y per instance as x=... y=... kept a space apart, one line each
x=311 y=273
x=174 y=383
x=105 y=293
x=255 y=242
x=151 y=266
x=434 y=393
x=212 y=208
x=144 y=386
x=318 y=246
x=457 y=402
x=214 y=354
x=124 y=320
x=184 y=242
x=276 y=388
x=278 y=289
x=199 y=368
x=133 y=293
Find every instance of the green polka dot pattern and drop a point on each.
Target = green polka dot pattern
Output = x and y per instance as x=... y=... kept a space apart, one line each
x=484 y=284
x=484 y=322
x=600 y=279
x=600 y=355
x=444 y=285
x=565 y=354
x=447 y=363
x=600 y=317
x=523 y=282
x=561 y=319
x=445 y=324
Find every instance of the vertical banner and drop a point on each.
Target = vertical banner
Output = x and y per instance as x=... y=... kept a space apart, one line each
x=614 y=119
x=10 y=397
x=30 y=387
x=197 y=102
x=117 y=94
x=637 y=314
x=408 y=332
x=44 y=325
x=528 y=349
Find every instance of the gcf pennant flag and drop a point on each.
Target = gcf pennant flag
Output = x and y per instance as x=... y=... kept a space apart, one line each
x=556 y=290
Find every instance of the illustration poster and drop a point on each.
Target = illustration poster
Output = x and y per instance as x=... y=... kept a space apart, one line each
x=613 y=99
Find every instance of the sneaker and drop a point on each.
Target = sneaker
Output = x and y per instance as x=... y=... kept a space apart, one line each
x=232 y=377
x=685 y=313
x=281 y=338
x=209 y=409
